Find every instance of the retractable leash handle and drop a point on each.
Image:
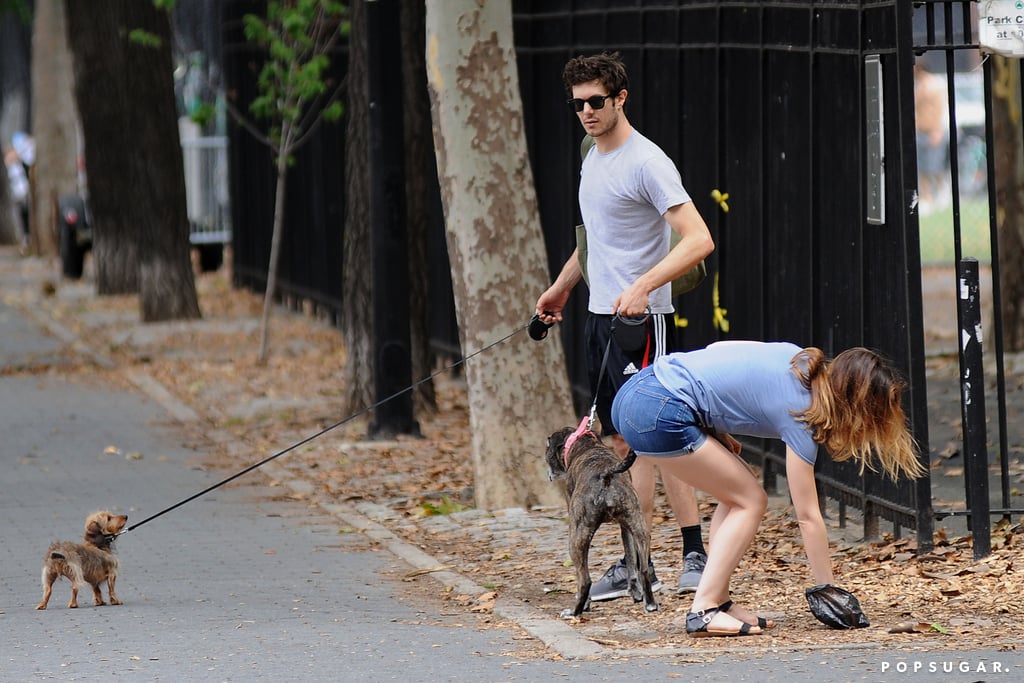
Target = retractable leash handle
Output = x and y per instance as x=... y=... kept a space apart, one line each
x=538 y=328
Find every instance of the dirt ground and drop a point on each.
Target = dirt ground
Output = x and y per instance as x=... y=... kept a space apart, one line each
x=421 y=488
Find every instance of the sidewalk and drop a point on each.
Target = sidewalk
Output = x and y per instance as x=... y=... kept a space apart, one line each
x=507 y=563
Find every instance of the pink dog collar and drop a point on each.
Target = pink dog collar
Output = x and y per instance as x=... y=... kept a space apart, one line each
x=571 y=439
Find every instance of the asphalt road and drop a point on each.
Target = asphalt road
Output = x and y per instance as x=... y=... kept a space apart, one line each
x=247 y=584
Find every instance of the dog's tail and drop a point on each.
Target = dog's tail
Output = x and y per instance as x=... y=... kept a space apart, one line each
x=624 y=466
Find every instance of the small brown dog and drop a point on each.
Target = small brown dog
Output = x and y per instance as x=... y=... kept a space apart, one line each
x=92 y=561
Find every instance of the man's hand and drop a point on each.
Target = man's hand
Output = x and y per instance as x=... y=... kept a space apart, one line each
x=550 y=305
x=633 y=301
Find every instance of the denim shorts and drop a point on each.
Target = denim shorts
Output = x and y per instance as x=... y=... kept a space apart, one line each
x=653 y=421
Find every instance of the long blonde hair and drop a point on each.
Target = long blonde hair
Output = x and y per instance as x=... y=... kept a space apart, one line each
x=856 y=411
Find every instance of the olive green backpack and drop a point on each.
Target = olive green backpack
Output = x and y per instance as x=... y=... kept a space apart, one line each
x=682 y=284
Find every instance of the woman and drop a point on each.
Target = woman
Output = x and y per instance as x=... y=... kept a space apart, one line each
x=849 y=405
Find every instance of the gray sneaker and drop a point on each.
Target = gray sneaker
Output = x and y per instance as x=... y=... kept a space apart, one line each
x=693 y=568
x=615 y=583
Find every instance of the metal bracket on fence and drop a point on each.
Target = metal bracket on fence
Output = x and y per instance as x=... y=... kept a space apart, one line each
x=972 y=406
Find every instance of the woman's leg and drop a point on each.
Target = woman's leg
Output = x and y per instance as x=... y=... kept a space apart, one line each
x=742 y=503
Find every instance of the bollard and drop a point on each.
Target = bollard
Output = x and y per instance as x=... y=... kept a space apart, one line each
x=972 y=406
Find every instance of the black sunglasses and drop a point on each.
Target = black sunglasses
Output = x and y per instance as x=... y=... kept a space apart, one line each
x=595 y=102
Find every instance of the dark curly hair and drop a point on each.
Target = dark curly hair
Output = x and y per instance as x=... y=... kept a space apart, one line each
x=607 y=68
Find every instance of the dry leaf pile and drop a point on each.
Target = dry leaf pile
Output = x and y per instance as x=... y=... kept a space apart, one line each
x=422 y=490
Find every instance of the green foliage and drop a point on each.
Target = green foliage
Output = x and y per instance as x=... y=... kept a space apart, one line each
x=21 y=8
x=293 y=90
x=144 y=38
x=203 y=114
x=447 y=506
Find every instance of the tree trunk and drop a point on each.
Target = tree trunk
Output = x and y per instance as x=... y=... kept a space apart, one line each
x=54 y=125
x=9 y=219
x=167 y=282
x=124 y=93
x=15 y=87
x=357 y=316
x=98 y=38
x=275 y=240
x=518 y=390
x=420 y=193
x=1009 y=167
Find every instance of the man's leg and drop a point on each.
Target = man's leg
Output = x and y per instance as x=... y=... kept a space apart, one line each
x=682 y=498
x=614 y=583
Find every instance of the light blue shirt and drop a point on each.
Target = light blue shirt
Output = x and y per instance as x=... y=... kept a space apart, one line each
x=743 y=387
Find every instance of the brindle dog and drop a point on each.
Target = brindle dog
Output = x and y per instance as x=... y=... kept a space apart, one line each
x=598 y=490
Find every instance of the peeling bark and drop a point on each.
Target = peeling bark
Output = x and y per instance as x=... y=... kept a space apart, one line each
x=518 y=390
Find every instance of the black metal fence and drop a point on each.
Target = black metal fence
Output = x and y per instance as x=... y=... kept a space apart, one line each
x=946 y=42
x=802 y=113
x=769 y=103
x=310 y=267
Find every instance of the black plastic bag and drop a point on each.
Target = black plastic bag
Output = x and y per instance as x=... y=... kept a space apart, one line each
x=835 y=607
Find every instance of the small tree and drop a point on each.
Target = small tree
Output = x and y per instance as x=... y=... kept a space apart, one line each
x=294 y=97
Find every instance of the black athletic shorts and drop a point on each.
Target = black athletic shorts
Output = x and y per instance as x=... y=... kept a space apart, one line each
x=621 y=364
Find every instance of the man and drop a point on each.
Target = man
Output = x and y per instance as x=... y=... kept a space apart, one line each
x=630 y=197
x=931 y=116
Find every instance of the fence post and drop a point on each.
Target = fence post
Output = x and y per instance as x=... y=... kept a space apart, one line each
x=972 y=406
x=392 y=369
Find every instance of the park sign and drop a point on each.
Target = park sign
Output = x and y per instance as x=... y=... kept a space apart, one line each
x=1001 y=27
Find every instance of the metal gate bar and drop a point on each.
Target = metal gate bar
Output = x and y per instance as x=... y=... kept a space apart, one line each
x=951 y=42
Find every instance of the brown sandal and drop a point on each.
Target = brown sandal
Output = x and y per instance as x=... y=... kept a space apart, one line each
x=697 y=625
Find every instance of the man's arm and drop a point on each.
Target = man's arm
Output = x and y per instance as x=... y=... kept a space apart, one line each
x=694 y=246
x=552 y=301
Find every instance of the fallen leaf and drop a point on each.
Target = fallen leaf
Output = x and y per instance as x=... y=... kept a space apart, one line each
x=420 y=572
x=942 y=576
x=916 y=627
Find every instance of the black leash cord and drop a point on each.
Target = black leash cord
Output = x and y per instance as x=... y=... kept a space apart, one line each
x=630 y=322
x=323 y=431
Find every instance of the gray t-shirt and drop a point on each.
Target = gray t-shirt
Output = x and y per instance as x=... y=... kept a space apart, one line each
x=743 y=387
x=624 y=195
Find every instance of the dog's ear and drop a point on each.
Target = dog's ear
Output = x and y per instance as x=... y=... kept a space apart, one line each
x=93 y=530
x=555 y=455
x=557 y=439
